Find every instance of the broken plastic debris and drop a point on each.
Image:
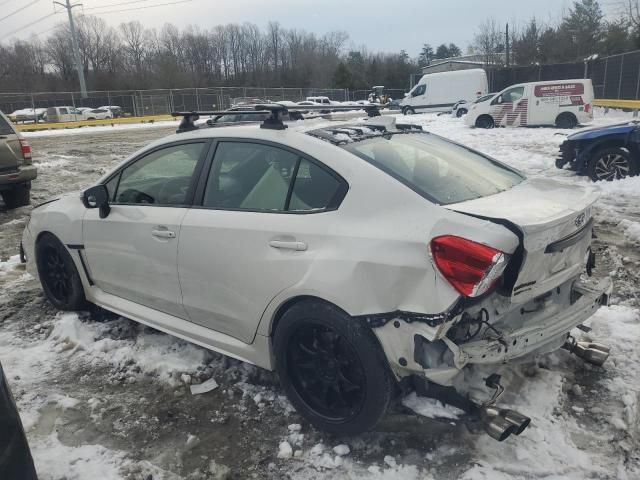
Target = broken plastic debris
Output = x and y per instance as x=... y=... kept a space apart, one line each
x=204 y=387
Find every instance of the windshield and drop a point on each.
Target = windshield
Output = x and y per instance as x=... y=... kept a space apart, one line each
x=485 y=98
x=437 y=169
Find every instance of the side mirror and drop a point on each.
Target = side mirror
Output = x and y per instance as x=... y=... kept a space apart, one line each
x=97 y=197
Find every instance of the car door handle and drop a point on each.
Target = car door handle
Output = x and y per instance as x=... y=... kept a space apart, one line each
x=163 y=233
x=295 y=245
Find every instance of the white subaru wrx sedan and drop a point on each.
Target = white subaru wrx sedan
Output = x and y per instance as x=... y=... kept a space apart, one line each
x=351 y=258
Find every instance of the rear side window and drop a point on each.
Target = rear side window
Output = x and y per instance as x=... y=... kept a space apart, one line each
x=5 y=127
x=314 y=188
x=258 y=177
x=437 y=169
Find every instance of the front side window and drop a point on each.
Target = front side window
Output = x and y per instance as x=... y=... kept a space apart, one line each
x=439 y=170
x=512 y=95
x=162 y=177
x=420 y=89
x=258 y=177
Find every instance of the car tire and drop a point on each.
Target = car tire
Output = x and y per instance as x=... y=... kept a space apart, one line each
x=332 y=368
x=460 y=112
x=485 y=121
x=613 y=163
x=566 y=121
x=58 y=274
x=17 y=196
x=408 y=111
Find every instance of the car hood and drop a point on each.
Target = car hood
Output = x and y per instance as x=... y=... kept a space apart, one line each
x=595 y=132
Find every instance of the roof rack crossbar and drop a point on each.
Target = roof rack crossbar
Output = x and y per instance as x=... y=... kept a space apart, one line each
x=274 y=121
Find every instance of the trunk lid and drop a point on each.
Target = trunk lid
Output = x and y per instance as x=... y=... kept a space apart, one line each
x=556 y=226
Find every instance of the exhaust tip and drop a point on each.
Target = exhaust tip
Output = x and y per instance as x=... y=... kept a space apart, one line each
x=519 y=421
x=591 y=352
x=499 y=428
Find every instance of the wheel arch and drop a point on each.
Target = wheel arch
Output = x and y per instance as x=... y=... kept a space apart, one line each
x=567 y=114
x=609 y=142
x=283 y=306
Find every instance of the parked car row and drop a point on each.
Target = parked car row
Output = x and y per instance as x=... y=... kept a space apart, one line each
x=65 y=113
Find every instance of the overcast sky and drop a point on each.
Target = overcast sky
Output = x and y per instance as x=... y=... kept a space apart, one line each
x=379 y=25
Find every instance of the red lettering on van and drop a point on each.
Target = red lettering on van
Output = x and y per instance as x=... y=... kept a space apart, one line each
x=558 y=89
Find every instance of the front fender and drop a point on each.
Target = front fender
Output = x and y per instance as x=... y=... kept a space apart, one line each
x=589 y=147
x=62 y=218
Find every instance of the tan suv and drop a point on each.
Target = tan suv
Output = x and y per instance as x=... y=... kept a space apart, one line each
x=16 y=171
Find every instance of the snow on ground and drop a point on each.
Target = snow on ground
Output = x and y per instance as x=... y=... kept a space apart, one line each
x=103 y=397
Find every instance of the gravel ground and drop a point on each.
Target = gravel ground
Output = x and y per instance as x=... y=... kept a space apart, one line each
x=103 y=397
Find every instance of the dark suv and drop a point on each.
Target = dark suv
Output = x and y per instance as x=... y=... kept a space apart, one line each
x=16 y=170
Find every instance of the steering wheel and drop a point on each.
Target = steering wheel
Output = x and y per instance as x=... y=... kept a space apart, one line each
x=132 y=195
x=174 y=191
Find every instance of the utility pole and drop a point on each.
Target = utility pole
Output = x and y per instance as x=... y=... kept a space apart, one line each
x=76 y=49
x=507 y=45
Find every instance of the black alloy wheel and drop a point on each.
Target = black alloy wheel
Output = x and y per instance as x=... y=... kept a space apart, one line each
x=326 y=372
x=58 y=274
x=332 y=368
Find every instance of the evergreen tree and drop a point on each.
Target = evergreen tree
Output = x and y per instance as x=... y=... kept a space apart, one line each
x=442 y=52
x=426 y=55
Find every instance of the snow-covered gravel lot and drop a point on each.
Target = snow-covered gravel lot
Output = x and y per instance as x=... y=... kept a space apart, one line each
x=103 y=397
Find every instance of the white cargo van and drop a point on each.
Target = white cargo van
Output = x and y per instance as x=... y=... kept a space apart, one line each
x=563 y=103
x=438 y=92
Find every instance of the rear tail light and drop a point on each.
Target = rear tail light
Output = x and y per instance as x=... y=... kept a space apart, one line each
x=587 y=107
x=470 y=267
x=26 y=151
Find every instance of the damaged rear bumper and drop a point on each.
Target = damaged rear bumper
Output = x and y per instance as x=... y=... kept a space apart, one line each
x=404 y=342
x=536 y=337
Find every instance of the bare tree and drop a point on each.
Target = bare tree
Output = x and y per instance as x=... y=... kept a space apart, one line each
x=489 y=42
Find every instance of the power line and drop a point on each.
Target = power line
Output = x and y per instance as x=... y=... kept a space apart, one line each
x=142 y=8
x=19 y=10
x=28 y=25
x=109 y=5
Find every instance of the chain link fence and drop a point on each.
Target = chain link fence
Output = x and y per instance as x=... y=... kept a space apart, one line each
x=164 y=101
x=614 y=77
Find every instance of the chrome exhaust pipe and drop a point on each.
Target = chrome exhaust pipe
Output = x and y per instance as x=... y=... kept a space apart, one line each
x=496 y=426
x=591 y=352
x=519 y=421
x=599 y=346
